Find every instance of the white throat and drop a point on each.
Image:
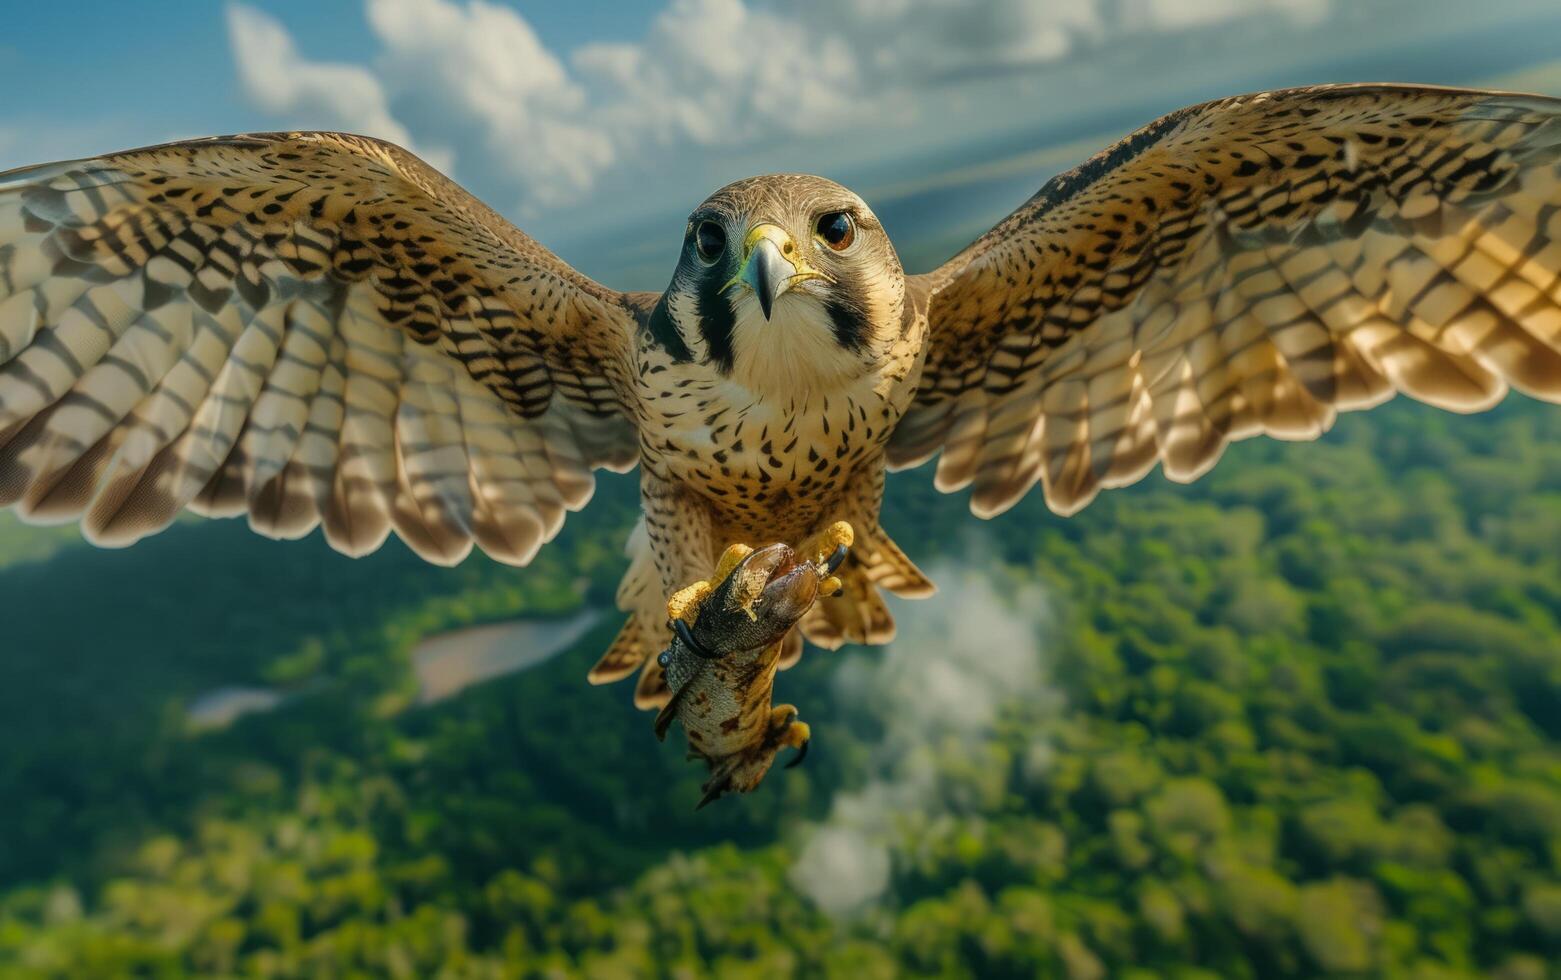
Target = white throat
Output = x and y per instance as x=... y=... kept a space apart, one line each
x=792 y=353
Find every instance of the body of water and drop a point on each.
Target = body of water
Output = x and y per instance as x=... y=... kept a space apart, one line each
x=448 y=662
x=445 y=664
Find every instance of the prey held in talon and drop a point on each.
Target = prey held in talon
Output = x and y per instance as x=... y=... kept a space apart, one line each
x=727 y=638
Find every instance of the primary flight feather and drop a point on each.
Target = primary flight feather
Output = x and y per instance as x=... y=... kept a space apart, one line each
x=317 y=329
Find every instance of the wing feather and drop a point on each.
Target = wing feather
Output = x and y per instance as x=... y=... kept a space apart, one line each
x=1248 y=266
x=311 y=328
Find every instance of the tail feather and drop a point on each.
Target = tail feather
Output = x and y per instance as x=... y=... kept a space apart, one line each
x=628 y=651
x=635 y=590
x=889 y=568
x=643 y=633
x=791 y=650
x=858 y=614
x=651 y=692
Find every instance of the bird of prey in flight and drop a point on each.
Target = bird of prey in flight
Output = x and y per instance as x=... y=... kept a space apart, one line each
x=319 y=330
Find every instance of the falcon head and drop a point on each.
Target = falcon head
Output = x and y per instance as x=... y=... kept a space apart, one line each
x=785 y=281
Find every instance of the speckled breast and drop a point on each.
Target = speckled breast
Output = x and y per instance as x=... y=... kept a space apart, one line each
x=771 y=466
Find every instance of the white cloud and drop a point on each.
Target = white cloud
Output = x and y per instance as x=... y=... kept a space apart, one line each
x=727 y=72
x=708 y=75
x=479 y=74
x=937 y=691
x=914 y=43
x=842 y=868
x=312 y=94
x=1183 y=14
x=717 y=72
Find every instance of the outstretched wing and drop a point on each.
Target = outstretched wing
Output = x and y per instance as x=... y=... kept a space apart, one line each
x=314 y=328
x=1247 y=266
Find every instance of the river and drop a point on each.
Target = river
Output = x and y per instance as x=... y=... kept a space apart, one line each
x=444 y=664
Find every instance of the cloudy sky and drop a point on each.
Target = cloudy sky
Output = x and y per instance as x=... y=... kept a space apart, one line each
x=598 y=126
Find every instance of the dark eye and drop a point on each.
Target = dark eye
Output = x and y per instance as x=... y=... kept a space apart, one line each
x=710 y=240
x=837 y=230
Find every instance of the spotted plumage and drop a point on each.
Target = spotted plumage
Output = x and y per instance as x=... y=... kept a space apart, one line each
x=1249 y=266
x=315 y=329
x=319 y=330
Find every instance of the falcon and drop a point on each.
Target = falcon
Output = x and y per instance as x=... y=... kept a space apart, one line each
x=319 y=330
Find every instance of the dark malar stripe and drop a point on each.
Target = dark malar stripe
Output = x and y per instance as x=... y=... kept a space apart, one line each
x=849 y=323
x=717 y=321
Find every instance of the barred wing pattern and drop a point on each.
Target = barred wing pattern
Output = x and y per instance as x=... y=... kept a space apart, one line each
x=1248 y=266
x=312 y=328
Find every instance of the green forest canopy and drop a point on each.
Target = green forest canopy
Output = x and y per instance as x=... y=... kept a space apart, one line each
x=1306 y=721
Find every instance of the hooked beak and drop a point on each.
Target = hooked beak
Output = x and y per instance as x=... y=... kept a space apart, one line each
x=772 y=264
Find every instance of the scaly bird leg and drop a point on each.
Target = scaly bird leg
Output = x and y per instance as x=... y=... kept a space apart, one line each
x=829 y=548
x=720 y=666
x=685 y=602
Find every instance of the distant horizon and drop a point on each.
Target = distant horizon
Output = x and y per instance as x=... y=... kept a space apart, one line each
x=531 y=105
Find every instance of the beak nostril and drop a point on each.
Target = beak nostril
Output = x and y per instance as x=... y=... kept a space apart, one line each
x=772 y=264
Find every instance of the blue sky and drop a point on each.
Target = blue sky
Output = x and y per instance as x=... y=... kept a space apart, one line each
x=598 y=126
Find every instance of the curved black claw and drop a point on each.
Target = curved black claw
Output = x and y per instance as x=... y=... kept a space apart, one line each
x=802 y=753
x=687 y=636
x=714 y=790
x=836 y=559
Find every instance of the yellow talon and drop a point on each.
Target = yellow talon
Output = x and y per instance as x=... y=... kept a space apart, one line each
x=831 y=586
x=839 y=533
x=824 y=543
x=684 y=603
x=729 y=559
x=796 y=734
